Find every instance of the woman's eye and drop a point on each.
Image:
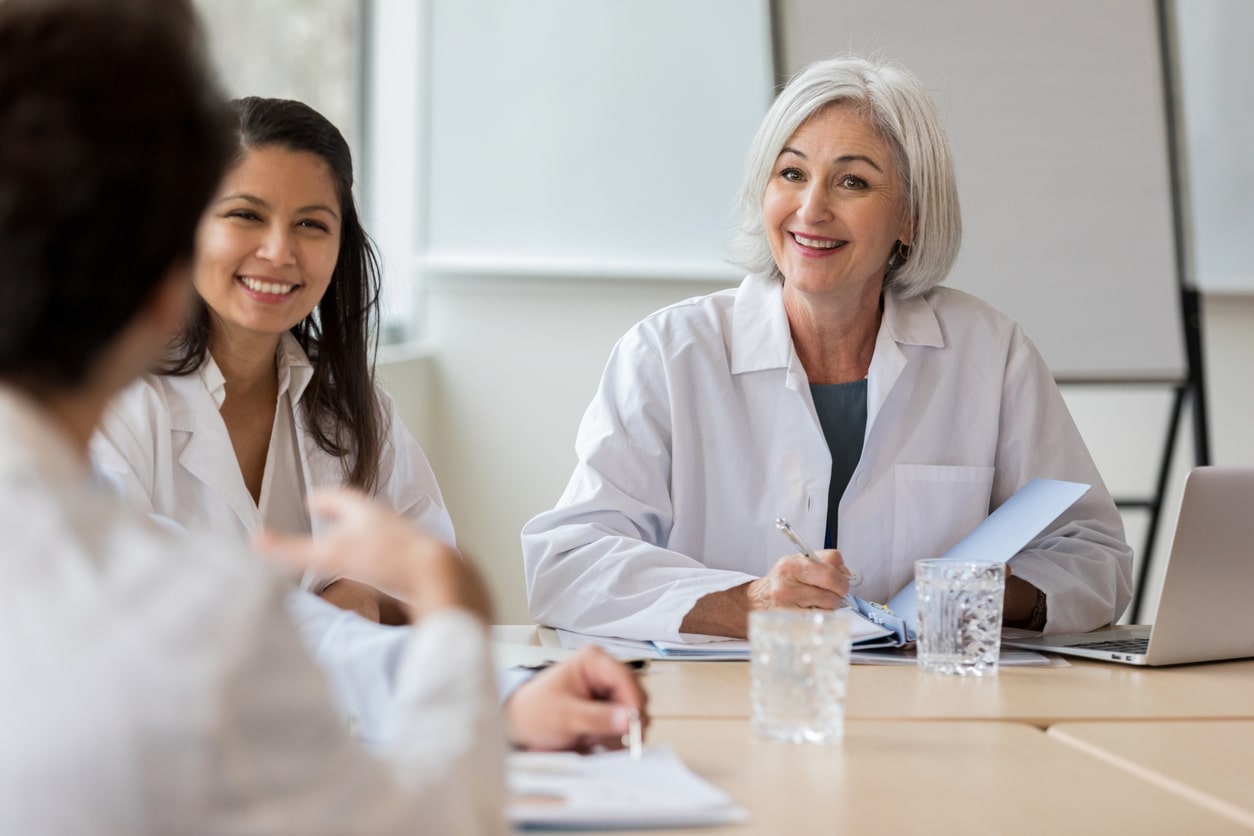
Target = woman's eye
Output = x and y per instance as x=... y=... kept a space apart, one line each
x=792 y=175
x=310 y=224
x=243 y=214
x=850 y=181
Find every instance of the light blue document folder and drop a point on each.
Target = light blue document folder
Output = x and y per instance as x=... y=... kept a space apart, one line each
x=999 y=538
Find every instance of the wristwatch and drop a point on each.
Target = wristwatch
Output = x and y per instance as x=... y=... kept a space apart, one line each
x=1039 y=613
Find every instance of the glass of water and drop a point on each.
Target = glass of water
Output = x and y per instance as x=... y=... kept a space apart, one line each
x=800 y=667
x=960 y=607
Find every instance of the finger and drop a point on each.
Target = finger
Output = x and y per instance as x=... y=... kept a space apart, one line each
x=606 y=678
x=339 y=504
x=299 y=552
x=821 y=575
x=833 y=557
x=606 y=722
x=804 y=596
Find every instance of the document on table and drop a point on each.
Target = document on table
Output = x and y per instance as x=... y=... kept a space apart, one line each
x=863 y=633
x=878 y=651
x=611 y=790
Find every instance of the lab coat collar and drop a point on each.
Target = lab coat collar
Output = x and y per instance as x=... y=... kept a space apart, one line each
x=761 y=338
x=34 y=445
x=911 y=321
x=295 y=370
x=292 y=364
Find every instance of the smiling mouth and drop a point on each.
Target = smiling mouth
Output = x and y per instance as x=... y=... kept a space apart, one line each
x=271 y=288
x=817 y=243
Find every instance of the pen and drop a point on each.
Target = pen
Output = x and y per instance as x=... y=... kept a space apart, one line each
x=786 y=527
x=634 y=739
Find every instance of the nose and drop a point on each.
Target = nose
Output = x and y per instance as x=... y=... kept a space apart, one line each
x=815 y=205
x=276 y=246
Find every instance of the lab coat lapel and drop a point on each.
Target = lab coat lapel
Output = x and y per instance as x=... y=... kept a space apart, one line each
x=762 y=339
x=761 y=342
x=905 y=322
x=195 y=412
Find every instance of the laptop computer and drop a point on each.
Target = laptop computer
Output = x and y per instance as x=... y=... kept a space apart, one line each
x=1206 y=610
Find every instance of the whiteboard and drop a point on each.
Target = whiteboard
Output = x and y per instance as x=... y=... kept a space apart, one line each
x=590 y=137
x=1056 y=115
x=1216 y=73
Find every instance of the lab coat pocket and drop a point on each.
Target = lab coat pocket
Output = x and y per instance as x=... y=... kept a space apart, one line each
x=935 y=506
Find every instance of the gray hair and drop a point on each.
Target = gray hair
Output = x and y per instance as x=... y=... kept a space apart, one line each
x=899 y=107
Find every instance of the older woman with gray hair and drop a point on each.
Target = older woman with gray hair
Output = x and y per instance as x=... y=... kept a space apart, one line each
x=838 y=386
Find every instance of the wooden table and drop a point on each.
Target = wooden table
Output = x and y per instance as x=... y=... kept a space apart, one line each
x=1208 y=763
x=934 y=778
x=1039 y=696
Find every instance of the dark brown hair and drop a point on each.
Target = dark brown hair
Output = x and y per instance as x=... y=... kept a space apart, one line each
x=340 y=334
x=113 y=137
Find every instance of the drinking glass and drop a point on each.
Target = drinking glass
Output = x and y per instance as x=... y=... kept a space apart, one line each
x=960 y=608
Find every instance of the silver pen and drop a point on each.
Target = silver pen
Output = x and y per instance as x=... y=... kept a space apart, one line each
x=634 y=738
x=786 y=527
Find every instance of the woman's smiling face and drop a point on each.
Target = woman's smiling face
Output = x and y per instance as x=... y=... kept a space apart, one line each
x=833 y=206
x=269 y=241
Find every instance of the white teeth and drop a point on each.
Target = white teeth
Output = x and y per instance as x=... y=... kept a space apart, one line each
x=266 y=287
x=816 y=243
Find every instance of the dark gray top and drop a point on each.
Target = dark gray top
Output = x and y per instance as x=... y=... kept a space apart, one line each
x=842 y=414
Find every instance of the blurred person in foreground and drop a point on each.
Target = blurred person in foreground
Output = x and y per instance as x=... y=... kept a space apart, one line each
x=158 y=683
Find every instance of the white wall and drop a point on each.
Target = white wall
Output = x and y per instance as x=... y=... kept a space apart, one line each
x=497 y=394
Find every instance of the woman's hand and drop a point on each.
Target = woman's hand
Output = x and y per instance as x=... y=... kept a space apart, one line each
x=797 y=582
x=582 y=702
x=794 y=582
x=369 y=543
x=354 y=596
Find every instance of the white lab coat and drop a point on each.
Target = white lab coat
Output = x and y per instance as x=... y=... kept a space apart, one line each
x=154 y=685
x=703 y=431
x=164 y=445
x=164 y=442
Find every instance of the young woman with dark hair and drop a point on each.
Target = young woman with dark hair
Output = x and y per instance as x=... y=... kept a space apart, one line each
x=275 y=363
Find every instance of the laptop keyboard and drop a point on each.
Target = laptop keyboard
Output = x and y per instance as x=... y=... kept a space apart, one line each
x=1140 y=645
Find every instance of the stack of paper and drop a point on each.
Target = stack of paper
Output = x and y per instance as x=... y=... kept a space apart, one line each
x=565 y=791
x=863 y=633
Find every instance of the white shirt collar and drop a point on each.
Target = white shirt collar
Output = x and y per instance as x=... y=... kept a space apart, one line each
x=761 y=338
x=295 y=372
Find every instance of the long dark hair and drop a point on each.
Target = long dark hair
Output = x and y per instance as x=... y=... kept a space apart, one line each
x=340 y=334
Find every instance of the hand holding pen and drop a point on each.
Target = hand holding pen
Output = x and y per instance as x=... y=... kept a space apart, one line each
x=833 y=578
x=801 y=581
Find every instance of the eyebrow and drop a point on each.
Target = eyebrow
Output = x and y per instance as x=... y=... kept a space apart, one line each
x=847 y=158
x=256 y=201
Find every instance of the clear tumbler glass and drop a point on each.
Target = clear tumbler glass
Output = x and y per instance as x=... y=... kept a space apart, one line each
x=800 y=667
x=960 y=607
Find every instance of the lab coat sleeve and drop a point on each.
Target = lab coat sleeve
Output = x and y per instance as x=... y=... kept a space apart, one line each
x=407 y=484
x=1081 y=561
x=598 y=563
x=283 y=763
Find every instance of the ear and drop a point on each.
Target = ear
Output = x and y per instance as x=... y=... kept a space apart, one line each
x=906 y=234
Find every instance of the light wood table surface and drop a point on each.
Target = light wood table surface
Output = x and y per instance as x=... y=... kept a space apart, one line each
x=1209 y=763
x=934 y=778
x=1038 y=696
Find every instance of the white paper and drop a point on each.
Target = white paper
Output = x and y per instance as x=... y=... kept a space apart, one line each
x=1002 y=534
x=561 y=790
x=698 y=647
